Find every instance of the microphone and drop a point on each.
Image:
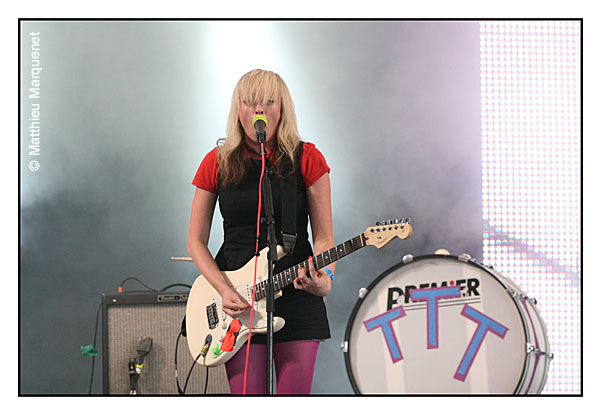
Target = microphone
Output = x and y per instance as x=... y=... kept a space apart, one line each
x=260 y=123
x=136 y=364
x=144 y=346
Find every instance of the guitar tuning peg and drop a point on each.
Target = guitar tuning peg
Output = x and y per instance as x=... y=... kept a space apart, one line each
x=377 y=223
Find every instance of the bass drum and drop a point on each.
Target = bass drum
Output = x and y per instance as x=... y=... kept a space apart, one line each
x=440 y=324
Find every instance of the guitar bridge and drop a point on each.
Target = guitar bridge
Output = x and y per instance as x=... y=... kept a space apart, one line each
x=212 y=316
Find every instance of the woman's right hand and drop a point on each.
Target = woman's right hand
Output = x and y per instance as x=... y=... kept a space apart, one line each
x=232 y=303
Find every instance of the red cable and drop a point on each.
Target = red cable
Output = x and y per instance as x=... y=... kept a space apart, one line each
x=252 y=308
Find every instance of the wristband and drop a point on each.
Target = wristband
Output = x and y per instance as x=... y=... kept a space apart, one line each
x=329 y=272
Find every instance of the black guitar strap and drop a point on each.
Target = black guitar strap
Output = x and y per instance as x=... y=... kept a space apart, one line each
x=288 y=195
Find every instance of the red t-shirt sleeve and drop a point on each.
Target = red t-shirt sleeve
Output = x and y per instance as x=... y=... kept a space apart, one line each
x=313 y=164
x=206 y=175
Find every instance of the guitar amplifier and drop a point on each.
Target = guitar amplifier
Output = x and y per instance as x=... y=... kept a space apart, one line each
x=128 y=316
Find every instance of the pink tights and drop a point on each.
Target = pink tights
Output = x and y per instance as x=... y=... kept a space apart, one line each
x=294 y=365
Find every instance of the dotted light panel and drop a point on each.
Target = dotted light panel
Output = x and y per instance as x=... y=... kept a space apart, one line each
x=531 y=143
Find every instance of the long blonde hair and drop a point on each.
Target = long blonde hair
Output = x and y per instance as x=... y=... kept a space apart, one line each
x=257 y=85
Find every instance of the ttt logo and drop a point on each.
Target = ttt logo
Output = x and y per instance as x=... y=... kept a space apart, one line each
x=485 y=325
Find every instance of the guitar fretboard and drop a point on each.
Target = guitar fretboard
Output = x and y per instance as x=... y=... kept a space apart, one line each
x=286 y=277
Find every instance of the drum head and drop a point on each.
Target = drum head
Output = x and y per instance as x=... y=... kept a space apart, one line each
x=436 y=325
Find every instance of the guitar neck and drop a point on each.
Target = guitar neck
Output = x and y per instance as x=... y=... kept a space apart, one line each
x=286 y=277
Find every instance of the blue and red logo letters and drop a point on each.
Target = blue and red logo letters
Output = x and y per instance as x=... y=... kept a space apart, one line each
x=431 y=296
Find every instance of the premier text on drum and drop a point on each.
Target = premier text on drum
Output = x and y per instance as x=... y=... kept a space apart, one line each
x=468 y=287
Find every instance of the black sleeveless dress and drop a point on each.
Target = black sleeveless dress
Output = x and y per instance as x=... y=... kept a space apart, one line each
x=304 y=313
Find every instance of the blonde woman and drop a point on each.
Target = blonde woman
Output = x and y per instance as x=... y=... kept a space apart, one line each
x=231 y=173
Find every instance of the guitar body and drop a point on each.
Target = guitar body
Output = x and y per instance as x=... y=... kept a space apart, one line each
x=211 y=331
x=205 y=316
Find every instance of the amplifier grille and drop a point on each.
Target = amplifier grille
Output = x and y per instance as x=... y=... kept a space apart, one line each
x=124 y=325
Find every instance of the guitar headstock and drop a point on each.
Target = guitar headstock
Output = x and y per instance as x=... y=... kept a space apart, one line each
x=385 y=231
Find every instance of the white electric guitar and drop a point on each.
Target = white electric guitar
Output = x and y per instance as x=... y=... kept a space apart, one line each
x=207 y=325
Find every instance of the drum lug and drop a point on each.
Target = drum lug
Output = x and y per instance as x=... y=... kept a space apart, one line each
x=530 y=348
x=465 y=257
x=489 y=266
x=362 y=292
x=515 y=294
x=344 y=347
x=407 y=258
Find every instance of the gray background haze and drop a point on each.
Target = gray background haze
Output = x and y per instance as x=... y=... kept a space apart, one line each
x=129 y=109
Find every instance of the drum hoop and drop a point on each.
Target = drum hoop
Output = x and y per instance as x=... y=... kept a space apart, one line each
x=525 y=323
x=398 y=265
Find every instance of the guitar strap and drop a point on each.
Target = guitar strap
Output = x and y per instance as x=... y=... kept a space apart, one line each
x=288 y=204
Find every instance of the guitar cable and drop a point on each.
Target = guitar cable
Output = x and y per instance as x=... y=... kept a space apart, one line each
x=179 y=389
x=252 y=307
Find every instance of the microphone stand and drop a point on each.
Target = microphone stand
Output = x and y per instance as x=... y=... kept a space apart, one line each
x=272 y=257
